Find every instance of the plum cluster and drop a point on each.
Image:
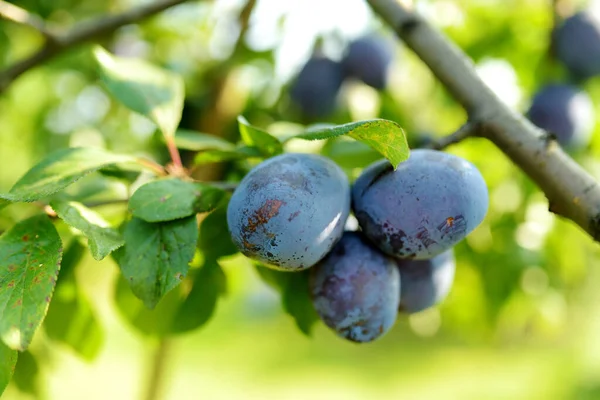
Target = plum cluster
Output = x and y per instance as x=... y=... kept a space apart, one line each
x=289 y=213
x=316 y=87
x=563 y=109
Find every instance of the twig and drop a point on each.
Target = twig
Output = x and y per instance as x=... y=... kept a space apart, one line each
x=157 y=370
x=81 y=33
x=16 y=14
x=568 y=187
x=467 y=130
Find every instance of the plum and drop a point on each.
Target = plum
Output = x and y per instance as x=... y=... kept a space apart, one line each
x=356 y=289
x=425 y=282
x=290 y=210
x=577 y=44
x=565 y=111
x=315 y=89
x=368 y=58
x=424 y=207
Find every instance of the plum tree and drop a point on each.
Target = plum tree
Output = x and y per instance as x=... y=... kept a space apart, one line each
x=424 y=207
x=356 y=289
x=565 y=111
x=577 y=44
x=316 y=87
x=425 y=282
x=368 y=59
x=289 y=210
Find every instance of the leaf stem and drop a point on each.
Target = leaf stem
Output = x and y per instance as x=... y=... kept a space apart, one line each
x=156 y=377
x=174 y=152
x=157 y=168
x=469 y=129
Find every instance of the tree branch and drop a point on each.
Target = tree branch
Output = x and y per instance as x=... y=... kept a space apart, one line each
x=79 y=34
x=571 y=191
x=469 y=129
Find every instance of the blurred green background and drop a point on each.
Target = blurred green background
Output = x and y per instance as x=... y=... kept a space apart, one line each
x=523 y=317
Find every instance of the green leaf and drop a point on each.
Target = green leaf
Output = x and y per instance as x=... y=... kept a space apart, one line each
x=208 y=285
x=155 y=257
x=155 y=322
x=350 y=153
x=268 y=144
x=27 y=374
x=71 y=319
x=215 y=240
x=197 y=141
x=387 y=137
x=59 y=170
x=144 y=88
x=241 y=153
x=30 y=255
x=8 y=360
x=297 y=302
x=102 y=238
x=295 y=296
x=170 y=199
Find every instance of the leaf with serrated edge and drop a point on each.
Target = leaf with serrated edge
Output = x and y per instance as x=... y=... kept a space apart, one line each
x=253 y=136
x=30 y=255
x=387 y=137
x=144 y=88
x=170 y=199
x=155 y=257
x=8 y=360
x=59 y=170
x=102 y=239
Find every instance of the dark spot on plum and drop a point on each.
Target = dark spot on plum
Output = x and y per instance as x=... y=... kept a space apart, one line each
x=25 y=238
x=293 y=215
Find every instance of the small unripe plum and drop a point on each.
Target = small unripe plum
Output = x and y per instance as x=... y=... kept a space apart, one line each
x=424 y=207
x=577 y=44
x=564 y=111
x=316 y=87
x=425 y=282
x=356 y=289
x=368 y=59
x=289 y=211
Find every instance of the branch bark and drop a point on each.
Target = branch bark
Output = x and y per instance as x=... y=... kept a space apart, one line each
x=84 y=32
x=469 y=129
x=571 y=191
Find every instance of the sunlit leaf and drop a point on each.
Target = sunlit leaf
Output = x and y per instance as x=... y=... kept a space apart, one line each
x=144 y=88
x=268 y=144
x=102 y=238
x=60 y=169
x=155 y=257
x=387 y=137
x=30 y=255
x=170 y=199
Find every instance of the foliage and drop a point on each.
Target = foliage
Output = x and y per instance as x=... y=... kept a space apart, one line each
x=89 y=134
